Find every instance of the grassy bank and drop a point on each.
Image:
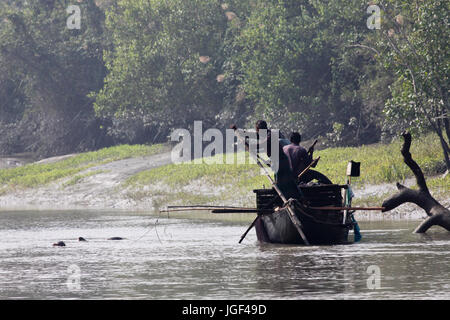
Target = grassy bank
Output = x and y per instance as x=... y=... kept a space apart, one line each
x=228 y=184
x=39 y=174
x=383 y=163
x=231 y=183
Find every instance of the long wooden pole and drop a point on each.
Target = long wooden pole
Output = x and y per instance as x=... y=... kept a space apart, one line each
x=248 y=230
x=255 y=210
x=308 y=167
x=200 y=208
x=311 y=149
x=348 y=208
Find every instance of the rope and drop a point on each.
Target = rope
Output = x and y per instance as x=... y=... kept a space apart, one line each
x=146 y=232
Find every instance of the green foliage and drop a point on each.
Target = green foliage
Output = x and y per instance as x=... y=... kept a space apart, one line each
x=416 y=35
x=440 y=185
x=414 y=39
x=52 y=69
x=286 y=61
x=300 y=72
x=164 y=63
x=148 y=67
x=381 y=163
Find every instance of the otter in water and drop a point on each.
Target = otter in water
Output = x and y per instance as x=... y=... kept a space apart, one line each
x=116 y=238
x=81 y=239
x=59 y=244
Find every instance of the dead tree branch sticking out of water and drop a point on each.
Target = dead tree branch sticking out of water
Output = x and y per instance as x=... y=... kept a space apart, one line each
x=437 y=214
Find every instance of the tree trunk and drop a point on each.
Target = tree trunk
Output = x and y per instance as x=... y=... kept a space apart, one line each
x=447 y=127
x=445 y=147
x=437 y=214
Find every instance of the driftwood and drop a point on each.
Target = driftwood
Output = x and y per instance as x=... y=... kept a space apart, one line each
x=437 y=213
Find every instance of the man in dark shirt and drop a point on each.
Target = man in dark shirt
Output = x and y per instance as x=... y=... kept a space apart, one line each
x=283 y=175
x=298 y=157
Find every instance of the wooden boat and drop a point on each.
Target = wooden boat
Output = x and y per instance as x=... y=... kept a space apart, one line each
x=315 y=214
x=321 y=227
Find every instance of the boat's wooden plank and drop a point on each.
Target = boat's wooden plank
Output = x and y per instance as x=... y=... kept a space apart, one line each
x=306 y=187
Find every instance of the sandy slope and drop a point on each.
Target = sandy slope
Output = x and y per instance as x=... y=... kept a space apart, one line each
x=98 y=191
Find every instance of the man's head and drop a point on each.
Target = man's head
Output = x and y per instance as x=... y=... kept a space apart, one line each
x=261 y=124
x=295 y=137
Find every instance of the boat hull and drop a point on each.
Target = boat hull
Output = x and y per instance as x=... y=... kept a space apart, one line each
x=278 y=228
x=319 y=227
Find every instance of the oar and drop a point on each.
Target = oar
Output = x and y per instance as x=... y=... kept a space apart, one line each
x=311 y=149
x=235 y=211
x=312 y=164
x=185 y=209
x=250 y=210
x=262 y=211
x=348 y=208
x=199 y=208
x=248 y=230
x=295 y=221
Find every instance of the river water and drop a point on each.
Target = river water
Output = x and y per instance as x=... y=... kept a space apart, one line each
x=172 y=258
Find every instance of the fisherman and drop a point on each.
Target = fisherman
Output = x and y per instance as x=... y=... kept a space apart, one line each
x=283 y=173
x=284 y=179
x=262 y=125
x=298 y=157
x=280 y=165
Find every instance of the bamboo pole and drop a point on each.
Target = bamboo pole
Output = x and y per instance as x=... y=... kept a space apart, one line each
x=308 y=167
x=348 y=208
x=255 y=210
x=248 y=230
x=199 y=208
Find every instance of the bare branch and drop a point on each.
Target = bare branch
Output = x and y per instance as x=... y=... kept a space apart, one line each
x=407 y=158
x=438 y=215
x=364 y=47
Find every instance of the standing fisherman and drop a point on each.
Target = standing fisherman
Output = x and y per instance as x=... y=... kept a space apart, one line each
x=300 y=159
x=283 y=173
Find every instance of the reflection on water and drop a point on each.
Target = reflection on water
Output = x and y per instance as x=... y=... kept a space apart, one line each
x=184 y=259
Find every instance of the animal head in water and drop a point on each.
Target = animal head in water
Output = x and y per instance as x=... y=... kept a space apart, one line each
x=59 y=244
